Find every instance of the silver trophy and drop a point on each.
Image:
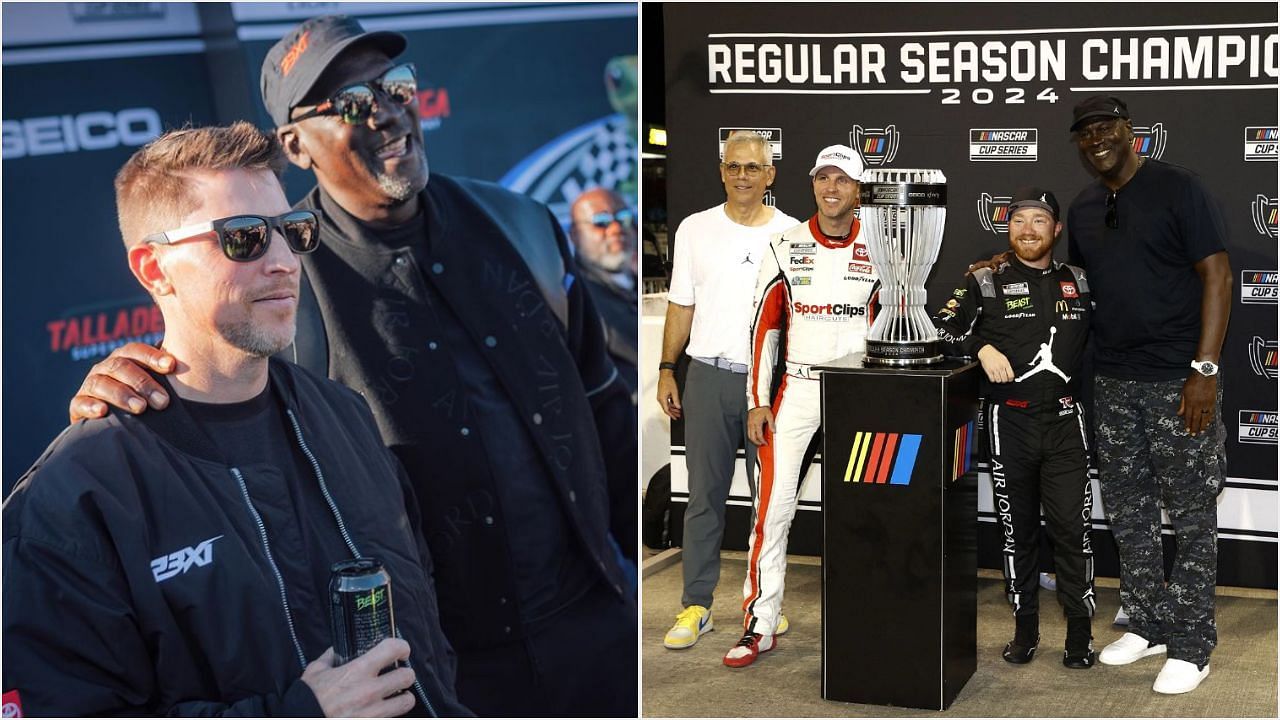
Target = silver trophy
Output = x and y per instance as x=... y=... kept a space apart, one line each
x=903 y=214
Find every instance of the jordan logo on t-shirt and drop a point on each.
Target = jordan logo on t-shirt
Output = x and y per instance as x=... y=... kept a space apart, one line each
x=1044 y=360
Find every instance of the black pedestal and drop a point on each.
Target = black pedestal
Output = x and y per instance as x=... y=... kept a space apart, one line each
x=900 y=503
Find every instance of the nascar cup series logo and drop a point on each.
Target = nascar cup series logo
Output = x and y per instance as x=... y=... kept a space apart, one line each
x=771 y=135
x=1003 y=145
x=1258 y=287
x=1257 y=427
x=1264 y=215
x=1262 y=357
x=993 y=212
x=877 y=146
x=1149 y=141
x=1260 y=143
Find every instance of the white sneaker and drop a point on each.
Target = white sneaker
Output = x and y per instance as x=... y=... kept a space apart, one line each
x=1179 y=676
x=1048 y=582
x=1122 y=617
x=1128 y=648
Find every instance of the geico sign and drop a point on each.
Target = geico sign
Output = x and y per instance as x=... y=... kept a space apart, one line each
x=59 y=134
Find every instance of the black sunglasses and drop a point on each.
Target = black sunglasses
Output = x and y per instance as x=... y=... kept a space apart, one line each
x=603 y=219
x=1113 y=218
x=355 y=103
x=245 y=238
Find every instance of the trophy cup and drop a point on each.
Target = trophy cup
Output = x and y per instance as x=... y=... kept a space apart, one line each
x=903 y=214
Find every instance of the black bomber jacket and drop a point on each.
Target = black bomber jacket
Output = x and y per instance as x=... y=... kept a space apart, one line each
x=141 y=576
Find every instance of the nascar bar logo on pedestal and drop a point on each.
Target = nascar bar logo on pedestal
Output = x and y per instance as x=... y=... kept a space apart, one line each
x=875 y=453
x=903 y=215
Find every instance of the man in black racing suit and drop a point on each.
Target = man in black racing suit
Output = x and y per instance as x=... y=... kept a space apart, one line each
x=1027 y=322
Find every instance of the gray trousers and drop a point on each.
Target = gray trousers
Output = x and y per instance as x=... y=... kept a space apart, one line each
x=1147 y=459
x=715 y=424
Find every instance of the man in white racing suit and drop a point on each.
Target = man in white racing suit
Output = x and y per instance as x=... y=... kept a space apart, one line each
x=815 y=286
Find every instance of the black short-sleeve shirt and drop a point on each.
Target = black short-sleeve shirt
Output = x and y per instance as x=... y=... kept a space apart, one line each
x=1146 y=290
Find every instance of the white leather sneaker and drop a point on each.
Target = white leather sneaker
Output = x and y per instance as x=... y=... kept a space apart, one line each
x=1179 y=676
x=1128 y=648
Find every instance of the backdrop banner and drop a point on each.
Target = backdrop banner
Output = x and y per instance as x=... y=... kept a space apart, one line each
x=984 y=92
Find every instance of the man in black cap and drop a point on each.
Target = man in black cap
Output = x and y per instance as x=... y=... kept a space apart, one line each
x=454 y=308
x=1153 y=241
x=1027 y=321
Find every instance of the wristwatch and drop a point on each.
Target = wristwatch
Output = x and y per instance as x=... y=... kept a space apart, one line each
x=666 y=366
x=1204 y=367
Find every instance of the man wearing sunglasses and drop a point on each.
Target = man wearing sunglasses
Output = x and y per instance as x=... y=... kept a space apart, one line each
x=604 y=238
x=1153 y=242
x=454 y=307
x=177 y=563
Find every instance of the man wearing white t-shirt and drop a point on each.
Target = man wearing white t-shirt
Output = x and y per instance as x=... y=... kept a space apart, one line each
x=717 y=258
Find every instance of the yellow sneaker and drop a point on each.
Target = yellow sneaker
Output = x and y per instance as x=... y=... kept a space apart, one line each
x=783 y=626
x=691 y=623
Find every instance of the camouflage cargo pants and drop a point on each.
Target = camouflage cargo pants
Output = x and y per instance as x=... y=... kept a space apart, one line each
x=1147 y=459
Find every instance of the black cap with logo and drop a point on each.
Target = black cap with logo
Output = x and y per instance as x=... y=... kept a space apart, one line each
x=1034 y=197
x=293 y=65
x=1097 y=107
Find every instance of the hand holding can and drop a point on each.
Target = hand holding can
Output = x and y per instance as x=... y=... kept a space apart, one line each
x=360 y=607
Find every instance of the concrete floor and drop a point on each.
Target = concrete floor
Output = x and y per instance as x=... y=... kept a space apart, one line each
x=786 y=683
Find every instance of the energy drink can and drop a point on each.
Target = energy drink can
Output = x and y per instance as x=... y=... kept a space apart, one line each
x=360 y=609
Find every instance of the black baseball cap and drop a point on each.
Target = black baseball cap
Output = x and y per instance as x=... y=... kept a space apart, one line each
x=1034 y=197
x=1098 y=106
x=293 y=65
